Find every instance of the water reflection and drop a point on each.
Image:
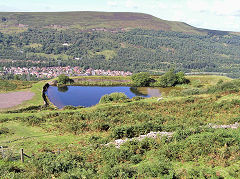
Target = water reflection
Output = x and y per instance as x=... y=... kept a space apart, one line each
x=63 y=89
x=137 y=92
x=90 y=95
x=149 y=91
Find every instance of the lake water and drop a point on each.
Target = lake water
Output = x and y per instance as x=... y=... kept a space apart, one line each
x=90 y=95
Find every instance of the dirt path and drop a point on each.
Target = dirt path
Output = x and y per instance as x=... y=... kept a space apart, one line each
x=8 y=100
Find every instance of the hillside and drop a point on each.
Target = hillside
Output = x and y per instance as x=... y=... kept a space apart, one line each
x=116 y=41
x=89 y=20
x=198 y=126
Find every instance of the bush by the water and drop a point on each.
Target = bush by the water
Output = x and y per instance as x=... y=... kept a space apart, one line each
x=171 y=79
x=63 y=79
x=113 y=97
x=141 y=79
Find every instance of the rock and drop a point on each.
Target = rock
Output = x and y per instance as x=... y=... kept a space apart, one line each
x=159 y=99
x=232 y=126
x=153 y=135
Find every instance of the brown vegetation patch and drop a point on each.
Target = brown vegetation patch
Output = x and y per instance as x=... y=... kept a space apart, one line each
x=12 y=99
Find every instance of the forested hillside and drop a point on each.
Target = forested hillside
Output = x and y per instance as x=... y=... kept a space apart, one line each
x=116 y=47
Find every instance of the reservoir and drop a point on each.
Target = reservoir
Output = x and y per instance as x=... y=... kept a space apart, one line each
x=90 y=95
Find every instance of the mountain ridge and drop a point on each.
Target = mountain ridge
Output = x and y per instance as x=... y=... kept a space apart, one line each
x=93 y=19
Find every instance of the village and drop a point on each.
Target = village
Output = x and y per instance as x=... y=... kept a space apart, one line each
x=52 y=72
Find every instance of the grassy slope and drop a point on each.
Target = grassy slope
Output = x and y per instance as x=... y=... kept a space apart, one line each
x=13 y=85
x=53 y=135
x=89 y=20
x=206 y=80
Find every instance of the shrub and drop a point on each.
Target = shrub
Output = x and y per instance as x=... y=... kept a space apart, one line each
x=232 y=86
x=119 y=171
x=136 y=158
x=137 y=98
x=33 y=120
x=181 y=78
x=175 y=92
x=69 y=107
x=171 y=79
x=4 y=130
x=53 y=164
x=113 y=97
x=135 y=130
x=141 y=79
x=191 y=91
x=155 y=169
x=168 y=79
x=9 y=169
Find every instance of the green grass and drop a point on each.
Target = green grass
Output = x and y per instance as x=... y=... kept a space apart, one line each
x=109 y=54
x=14 y=85
x=102 y=81
x=33 y=139
x=206 y=80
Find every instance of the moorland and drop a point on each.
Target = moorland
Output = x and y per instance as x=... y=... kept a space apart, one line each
x=71 y=142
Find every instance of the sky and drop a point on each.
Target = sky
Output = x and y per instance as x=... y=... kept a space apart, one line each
x=210 y=14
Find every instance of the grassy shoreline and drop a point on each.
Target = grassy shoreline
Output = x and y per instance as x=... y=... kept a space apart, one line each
x=199 y=81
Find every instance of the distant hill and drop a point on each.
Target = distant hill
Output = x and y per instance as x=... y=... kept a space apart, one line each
x=18 y=21
x=117 y=41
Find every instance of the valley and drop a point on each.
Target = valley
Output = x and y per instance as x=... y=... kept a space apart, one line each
x=117 y=95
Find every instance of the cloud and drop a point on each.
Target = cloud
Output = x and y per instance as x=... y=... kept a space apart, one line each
x=4 y=8
x=217 y=7
x=112 y=3
x=198 y=6
x=161 y=5
x=131 y=4
x=229 y=7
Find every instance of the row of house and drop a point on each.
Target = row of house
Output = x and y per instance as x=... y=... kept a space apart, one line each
x=52 y=72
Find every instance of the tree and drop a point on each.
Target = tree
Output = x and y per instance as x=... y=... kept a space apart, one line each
x=168 y=79
x=171 y=79
x=181 y=78
x=141 y=79
x=63 y=79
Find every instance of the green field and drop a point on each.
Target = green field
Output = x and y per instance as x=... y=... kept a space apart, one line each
x=13 y=85
x=70 y=143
